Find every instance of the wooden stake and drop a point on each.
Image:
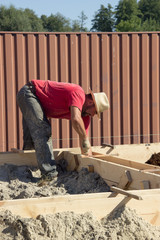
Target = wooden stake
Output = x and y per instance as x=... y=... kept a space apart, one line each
x=90 y=168
x=119 y=190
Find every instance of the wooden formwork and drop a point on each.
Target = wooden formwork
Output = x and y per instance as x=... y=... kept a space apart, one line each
x=133 y=183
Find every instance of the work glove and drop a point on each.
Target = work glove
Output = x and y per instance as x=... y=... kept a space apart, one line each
x=86 y=146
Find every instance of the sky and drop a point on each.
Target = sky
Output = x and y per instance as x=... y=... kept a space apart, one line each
x=68 y=8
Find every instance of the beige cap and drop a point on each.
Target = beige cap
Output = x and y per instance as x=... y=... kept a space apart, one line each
x=101 y=101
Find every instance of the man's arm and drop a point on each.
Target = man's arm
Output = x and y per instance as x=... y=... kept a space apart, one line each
x=78 y=125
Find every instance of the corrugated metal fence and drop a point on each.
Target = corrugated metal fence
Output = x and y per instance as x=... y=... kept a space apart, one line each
x=124 y=65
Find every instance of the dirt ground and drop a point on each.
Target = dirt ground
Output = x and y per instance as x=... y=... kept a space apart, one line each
x=154 y=159
x=21 y=182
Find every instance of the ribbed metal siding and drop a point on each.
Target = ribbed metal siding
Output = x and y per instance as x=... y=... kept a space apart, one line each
x=124 y=65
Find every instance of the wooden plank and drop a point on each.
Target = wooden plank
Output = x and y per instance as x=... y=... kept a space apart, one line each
x=27 y=157
x=112 y=172
x=151 y=170
x=125 y=162
x=135 y=152
x=100 y=204
x=125 y=180
x=18 y=159
x=126 y=193
x=98 y=155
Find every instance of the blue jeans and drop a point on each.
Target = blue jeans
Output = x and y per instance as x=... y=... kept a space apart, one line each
x=36 y=129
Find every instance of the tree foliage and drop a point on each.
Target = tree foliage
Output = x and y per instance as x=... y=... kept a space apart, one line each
x=150 y=25
x=103 y=20
x=35 y=22
x=126 y=10
x=131 y=25
x=142 y=16
x=56 y=23
x=129 y=15
x=150 y=9
x=76 y=27
x=12 y=19
x=82 y=21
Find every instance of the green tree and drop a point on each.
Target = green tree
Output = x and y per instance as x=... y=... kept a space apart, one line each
x=150 y=9
x=76 y=26
x=132 y=25
x=127 y=16
x=44 y=20
x=126 y=10
x=56 y=23
x=103 y=20
x=150 y=25
x=83 y=19
x=12 y=19
x=35 y=22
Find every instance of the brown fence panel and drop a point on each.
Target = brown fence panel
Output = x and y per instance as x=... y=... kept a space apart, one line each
x=124 y=65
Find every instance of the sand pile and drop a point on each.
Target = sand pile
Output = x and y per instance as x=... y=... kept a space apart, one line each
x=123 y=224
x=17 y=183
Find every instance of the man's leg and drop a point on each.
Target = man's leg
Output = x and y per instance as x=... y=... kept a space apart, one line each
x=39 y=128
x=28 y=143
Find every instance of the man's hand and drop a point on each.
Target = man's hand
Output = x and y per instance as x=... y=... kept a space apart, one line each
x=85 y=145
x=78 y=125
x=88 y=153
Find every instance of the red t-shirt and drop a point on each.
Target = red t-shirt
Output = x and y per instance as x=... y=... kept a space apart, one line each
x=57 y=97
